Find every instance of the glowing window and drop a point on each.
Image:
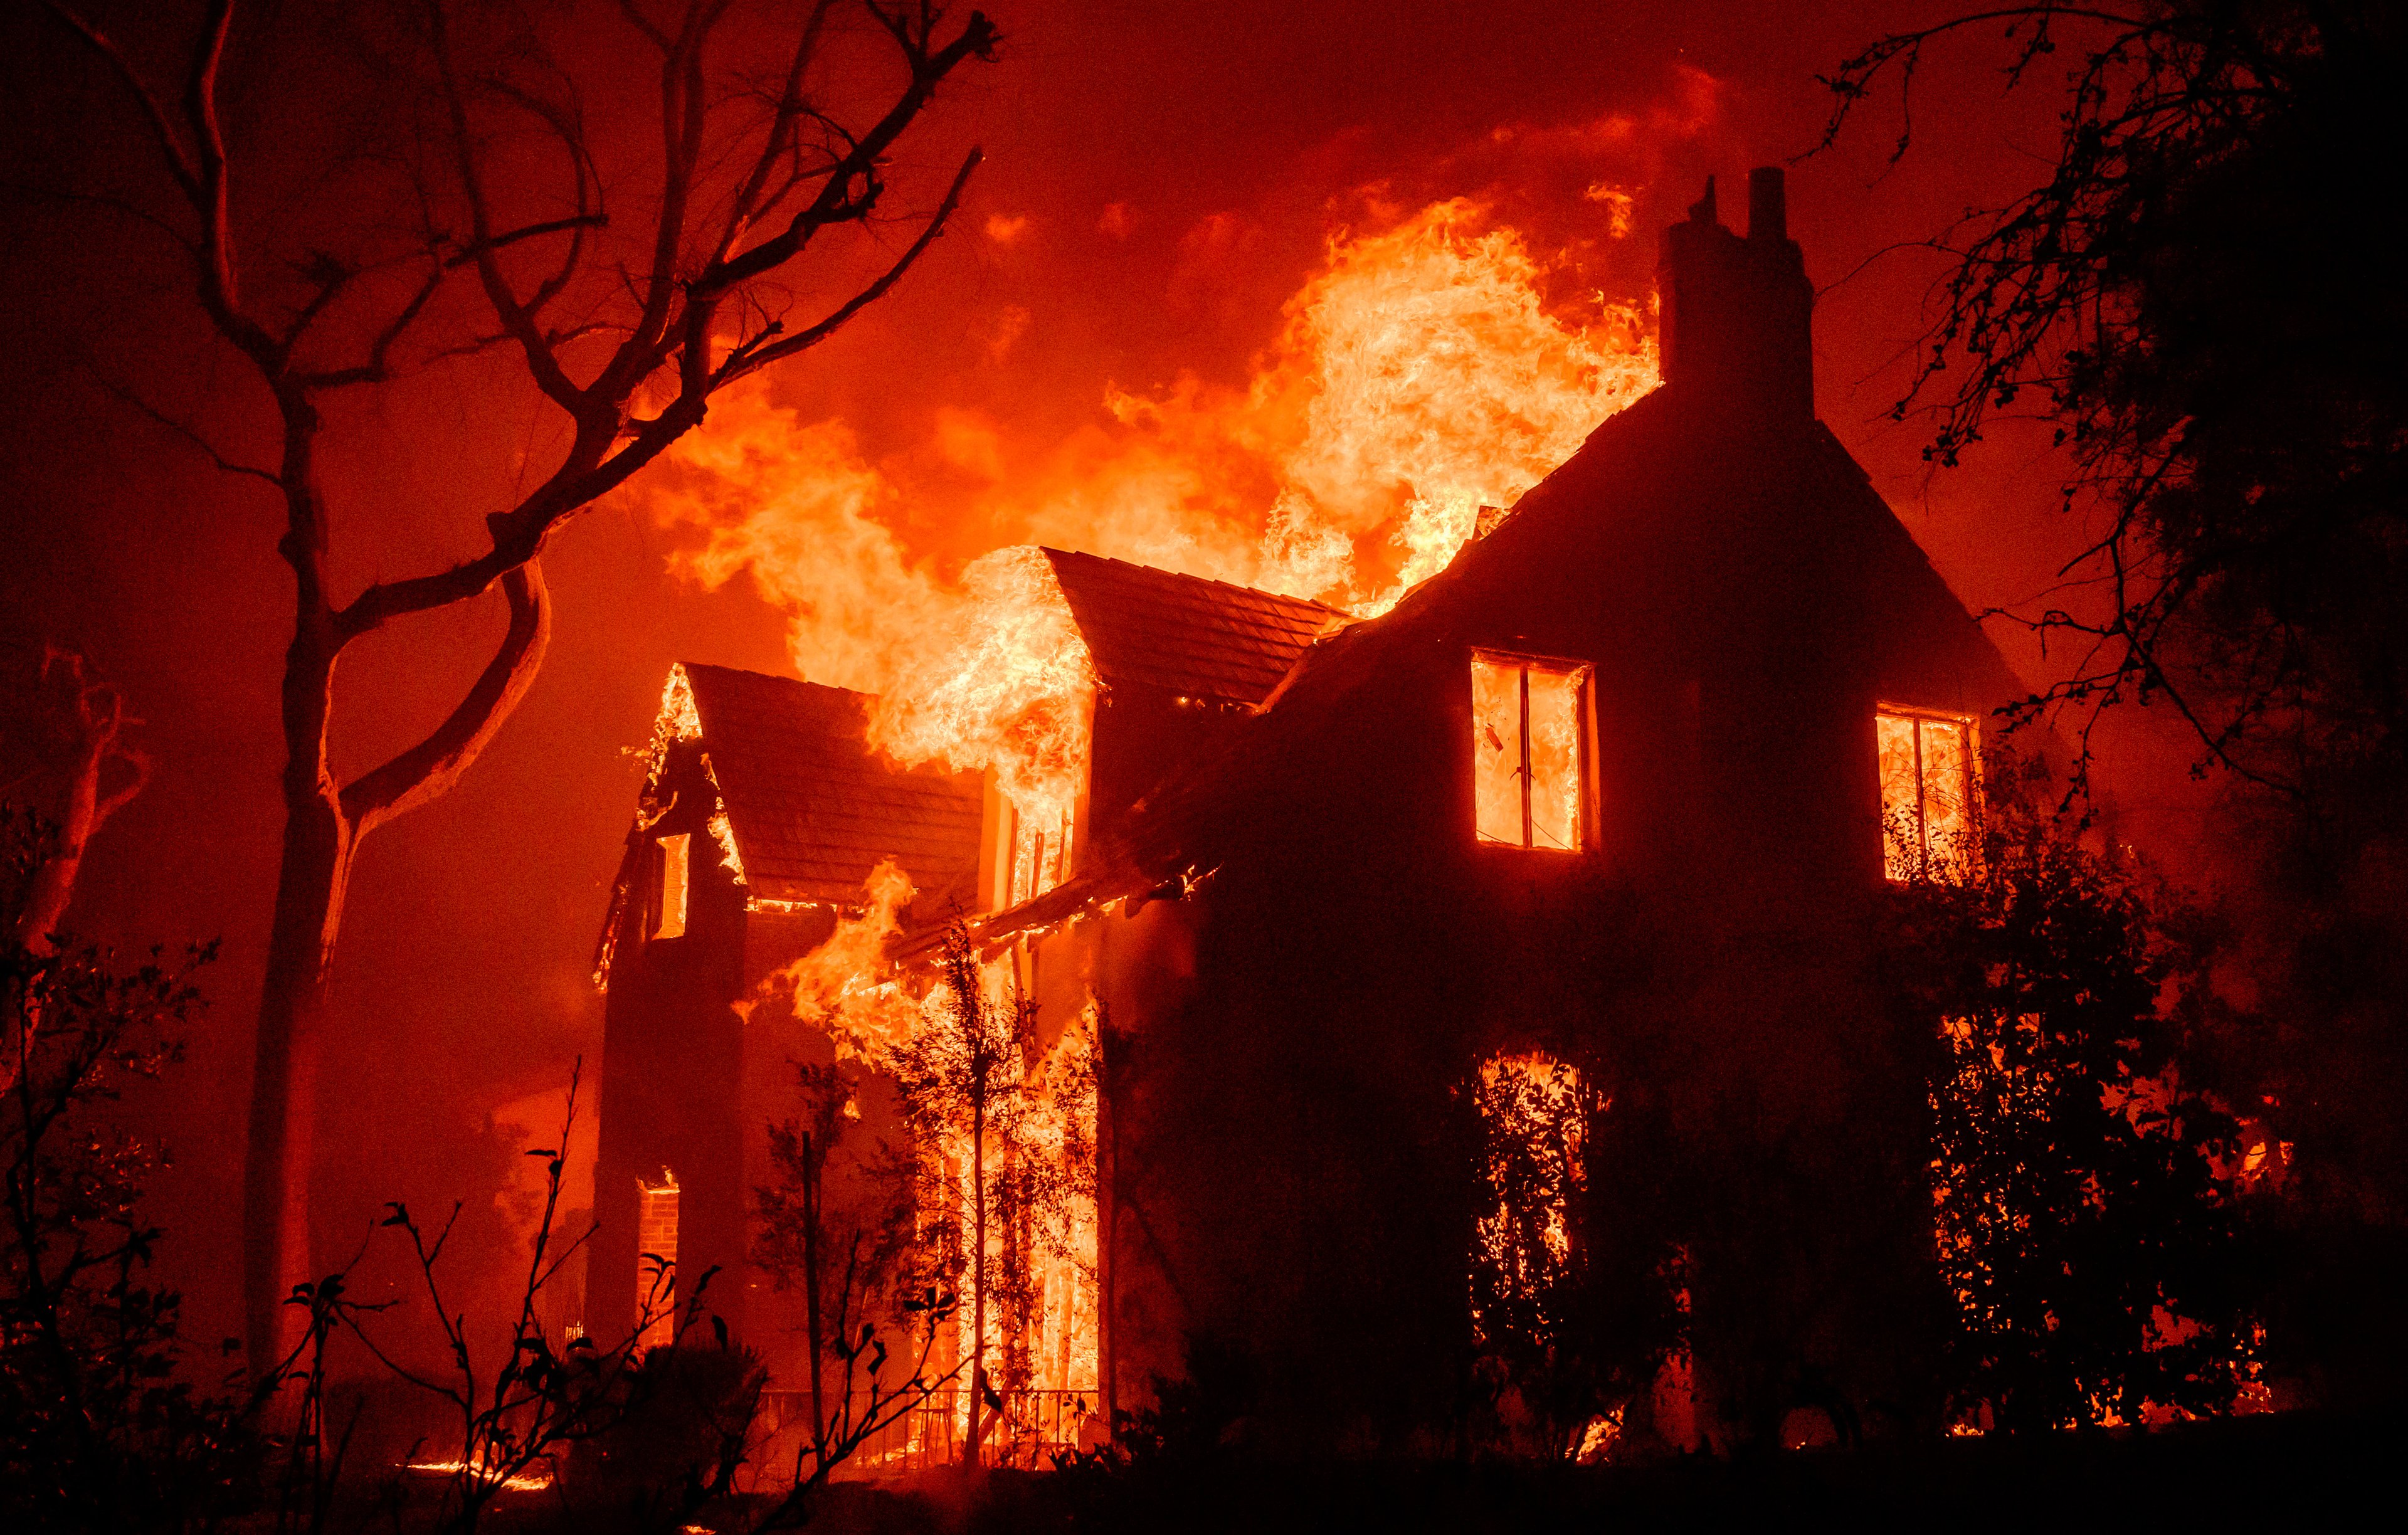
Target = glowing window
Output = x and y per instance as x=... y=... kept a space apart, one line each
x=1927 y=779
x=1529 y=750
x=656 y=1246
x=669 y=919
x=1534 y=1113
x=1040 y=855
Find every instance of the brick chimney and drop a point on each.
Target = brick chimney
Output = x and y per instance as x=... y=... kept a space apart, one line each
x=1735 y=312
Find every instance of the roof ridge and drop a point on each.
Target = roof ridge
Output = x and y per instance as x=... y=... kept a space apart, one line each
x=1202 y=580
x=769 y=677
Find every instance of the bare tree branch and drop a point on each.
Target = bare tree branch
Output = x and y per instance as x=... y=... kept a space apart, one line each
x=376 y=368
x=171 y=147
x=753 y=356
x=429 y=769
x=543 y=364
x=183 y=430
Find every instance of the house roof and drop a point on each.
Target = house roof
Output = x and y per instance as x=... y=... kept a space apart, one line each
x=1207 y=814
x=813 y=808
x=1185 y=635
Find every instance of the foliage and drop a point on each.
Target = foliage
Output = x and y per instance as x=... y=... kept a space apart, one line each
x=2084 y=1234
x=1529 y=1256
x=977 y=1085
x=2201 y=293
x=96 y=1430
x=673 y=1438
x=1196 y=1421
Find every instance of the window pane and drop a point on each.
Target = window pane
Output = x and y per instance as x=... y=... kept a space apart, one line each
x=1555 y=759
x=673 y=884
x=1496 y=749
x=1901 y=851
x=656 y=1249
x=1947 y=819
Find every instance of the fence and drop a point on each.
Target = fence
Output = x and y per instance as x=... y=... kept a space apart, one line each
x=1033 y=1428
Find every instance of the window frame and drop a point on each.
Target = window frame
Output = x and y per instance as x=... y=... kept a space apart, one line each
x=1585 y=798
x=1921 y=714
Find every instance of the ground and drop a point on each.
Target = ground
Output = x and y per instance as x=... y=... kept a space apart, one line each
x=2293 y=1471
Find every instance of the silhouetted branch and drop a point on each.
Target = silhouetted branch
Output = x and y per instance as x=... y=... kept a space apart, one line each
x=184 y=430
x=430 y=767
x=755 y=356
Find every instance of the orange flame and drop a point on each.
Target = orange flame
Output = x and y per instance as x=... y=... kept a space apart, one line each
x=1419 y=374
x=1441 y=375
x=847 y=986
x=1007 y=686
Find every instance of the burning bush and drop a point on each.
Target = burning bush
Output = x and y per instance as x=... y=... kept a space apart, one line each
x=2083 y=1235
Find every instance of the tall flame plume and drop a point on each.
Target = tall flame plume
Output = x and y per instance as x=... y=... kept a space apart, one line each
x=1421 y=373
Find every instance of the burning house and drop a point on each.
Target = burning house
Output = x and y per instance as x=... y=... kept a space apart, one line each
x=1608 y=800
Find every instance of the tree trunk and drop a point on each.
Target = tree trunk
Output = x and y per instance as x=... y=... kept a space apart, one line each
x=812 y=1169
x=309 y=889
x=323 y=824
x=978 y=1281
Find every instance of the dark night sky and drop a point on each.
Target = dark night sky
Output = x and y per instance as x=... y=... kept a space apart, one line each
x=461 y=980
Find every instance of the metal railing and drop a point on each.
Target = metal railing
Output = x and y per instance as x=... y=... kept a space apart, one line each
x=1033 y=1428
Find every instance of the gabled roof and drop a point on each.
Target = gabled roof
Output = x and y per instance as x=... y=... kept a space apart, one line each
x=1183 y=634
x=812 y=807
x=1209 y=812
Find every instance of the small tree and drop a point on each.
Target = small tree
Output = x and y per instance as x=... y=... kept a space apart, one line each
x=523 y=1412
x=965 y=1078
x=2083 y=1235
x=1528 y=1259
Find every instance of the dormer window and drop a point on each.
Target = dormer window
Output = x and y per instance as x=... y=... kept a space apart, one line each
x=1927 y=782
x=668 y=902
x=1529 y=751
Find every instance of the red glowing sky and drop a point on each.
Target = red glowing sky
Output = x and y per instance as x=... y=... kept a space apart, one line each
x=1160 y=180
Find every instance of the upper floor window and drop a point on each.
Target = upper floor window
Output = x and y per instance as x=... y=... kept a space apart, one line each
x=668 y=905
x=1926 y=780
x=1040 y=855
x=1529 y=751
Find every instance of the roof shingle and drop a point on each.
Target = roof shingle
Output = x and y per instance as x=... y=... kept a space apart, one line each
x=814 y=808
x=1183 y=634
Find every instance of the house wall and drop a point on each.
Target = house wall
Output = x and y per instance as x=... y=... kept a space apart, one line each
x=1142 y=736
x=773 y=1041
x=672 y=1059
x=1293 y=1128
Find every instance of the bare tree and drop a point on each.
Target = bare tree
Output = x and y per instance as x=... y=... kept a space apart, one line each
x=626 y=339
x=79 y=724
x=87 y=720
